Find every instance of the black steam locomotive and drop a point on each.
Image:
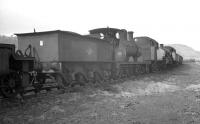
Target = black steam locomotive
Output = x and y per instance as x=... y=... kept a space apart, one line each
x=71 y=58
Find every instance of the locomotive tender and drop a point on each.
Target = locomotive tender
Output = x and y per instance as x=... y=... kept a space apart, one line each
x=106 y=53
x=13 y=67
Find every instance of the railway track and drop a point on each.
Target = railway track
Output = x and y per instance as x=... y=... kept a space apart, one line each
x=28 y=91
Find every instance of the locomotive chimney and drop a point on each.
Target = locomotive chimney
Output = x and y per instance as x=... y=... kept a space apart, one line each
x=123 y=34
x=130 y=36
x=161 y=45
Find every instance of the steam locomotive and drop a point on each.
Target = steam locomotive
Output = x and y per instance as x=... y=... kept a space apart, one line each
x=104 y=54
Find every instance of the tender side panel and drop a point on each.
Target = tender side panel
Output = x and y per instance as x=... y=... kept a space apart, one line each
x=4 y=60
x=46 y=45
x=160 y=54
x=82 y=48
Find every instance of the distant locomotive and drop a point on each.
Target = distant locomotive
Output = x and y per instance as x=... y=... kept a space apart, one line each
x=104 y=54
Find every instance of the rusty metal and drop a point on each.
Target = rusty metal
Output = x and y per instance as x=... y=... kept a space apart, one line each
x=104 y=54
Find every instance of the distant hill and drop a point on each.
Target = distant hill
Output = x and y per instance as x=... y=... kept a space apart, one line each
x=186 y=51
x=8 y=40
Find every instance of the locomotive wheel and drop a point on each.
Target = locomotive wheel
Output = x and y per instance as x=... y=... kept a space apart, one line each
x=120 y=74
x=80 y=78
x=61 y=80
x=123 y=73
x=154 y=68
x=8 y=87
x=138 y=69
x=106 y=76
x=68 y=79
x=142 y=70
x=97 y=77
x=126 y=74
x=147 y=69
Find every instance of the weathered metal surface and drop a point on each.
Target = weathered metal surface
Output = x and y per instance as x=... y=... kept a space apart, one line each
x=46 y=45
x=160 y=54
x=125 y=51
x=5 y=52
x=66 y=46
x=122 y=41
x=174 y=56
x=179 y=59
x=105 y=50
x=148 y=48
x=83 y=48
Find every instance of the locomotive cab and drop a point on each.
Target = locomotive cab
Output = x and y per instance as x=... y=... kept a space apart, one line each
x=124 y=47
x=148 y=48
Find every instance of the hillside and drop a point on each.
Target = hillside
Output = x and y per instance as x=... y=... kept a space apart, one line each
x=186 y=51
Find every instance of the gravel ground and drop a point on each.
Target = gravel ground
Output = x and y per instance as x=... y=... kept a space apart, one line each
x=168 y=97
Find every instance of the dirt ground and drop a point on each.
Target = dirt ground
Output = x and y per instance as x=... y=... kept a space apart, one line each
x=168 y=97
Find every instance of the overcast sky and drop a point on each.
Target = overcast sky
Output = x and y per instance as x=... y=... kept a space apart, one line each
x=167 y=21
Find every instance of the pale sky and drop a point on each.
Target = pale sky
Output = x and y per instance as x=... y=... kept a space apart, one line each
x=167 y=21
